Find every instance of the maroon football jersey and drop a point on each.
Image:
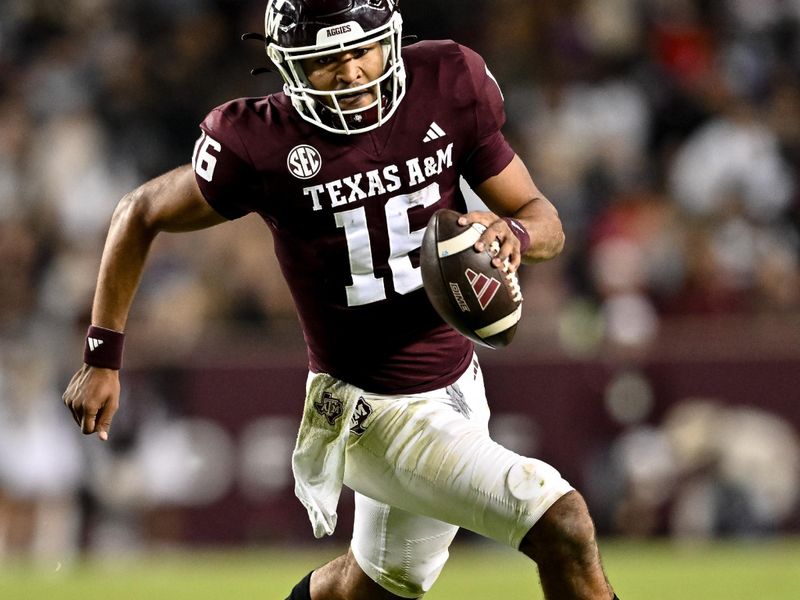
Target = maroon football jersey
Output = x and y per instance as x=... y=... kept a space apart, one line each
x=348 y=213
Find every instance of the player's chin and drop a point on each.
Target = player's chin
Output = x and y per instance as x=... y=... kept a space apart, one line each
x=361 y=100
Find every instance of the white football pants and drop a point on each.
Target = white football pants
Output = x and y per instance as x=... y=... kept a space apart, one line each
x=422 y=466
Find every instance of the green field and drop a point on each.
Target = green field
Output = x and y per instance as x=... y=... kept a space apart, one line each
x=768 y=570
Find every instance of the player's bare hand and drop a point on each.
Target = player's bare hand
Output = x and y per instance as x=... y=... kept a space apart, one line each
x=496 y=230
x=92 y=397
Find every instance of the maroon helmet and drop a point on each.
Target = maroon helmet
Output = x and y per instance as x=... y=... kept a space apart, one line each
x=301 y=29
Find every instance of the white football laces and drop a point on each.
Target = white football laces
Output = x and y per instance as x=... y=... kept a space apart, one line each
x=511 y=276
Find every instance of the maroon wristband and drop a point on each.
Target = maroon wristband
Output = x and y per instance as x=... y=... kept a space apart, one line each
x=103 y=348
x=520 y=232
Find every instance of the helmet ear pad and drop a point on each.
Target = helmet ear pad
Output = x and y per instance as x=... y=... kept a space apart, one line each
x=300 y=29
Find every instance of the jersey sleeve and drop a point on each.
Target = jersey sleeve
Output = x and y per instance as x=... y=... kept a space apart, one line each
x=222 y=167
x=491 y=153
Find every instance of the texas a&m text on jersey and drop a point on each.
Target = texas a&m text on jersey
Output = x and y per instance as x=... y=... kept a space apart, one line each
x=364 y=200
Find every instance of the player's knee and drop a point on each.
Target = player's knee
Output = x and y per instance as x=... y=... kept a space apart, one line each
x=565 y=532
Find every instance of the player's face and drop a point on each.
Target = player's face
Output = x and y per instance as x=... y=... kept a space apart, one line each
x=344 y=70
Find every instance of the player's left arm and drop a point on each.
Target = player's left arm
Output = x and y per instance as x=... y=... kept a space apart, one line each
x=512 y=193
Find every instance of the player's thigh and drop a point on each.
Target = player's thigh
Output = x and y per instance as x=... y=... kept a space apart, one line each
x=403 y=552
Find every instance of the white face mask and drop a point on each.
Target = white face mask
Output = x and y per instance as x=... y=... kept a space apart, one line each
x=322 y=108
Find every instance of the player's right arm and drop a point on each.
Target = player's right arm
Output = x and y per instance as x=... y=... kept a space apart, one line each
x=172 y=202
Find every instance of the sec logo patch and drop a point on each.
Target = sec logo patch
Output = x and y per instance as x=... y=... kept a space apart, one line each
x=304 y=161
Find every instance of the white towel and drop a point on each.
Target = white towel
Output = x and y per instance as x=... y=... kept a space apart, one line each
x=318 y=458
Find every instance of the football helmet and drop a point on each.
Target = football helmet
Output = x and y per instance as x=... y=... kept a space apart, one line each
x=301 y=29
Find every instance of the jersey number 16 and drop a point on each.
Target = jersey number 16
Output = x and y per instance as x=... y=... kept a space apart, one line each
x=367 y=287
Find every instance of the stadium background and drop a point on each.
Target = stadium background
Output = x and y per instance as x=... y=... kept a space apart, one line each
x=658 y=361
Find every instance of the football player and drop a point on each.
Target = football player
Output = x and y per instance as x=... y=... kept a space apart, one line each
x=346 y=166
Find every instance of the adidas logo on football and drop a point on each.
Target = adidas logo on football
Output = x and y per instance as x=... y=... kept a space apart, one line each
x=485 y=288
x=434 y=133
x=94 y=343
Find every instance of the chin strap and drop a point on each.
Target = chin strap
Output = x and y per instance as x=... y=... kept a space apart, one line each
x=355 y=121
x=252 y=35
x=258 y=37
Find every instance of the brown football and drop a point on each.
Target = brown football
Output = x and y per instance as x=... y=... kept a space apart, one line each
x=473 y=296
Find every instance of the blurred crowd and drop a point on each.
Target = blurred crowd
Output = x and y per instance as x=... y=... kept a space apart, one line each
x=667 y=133
x=705 y=469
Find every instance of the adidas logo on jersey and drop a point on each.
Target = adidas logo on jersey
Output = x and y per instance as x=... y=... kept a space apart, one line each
x=434 y=133
x=94 y=343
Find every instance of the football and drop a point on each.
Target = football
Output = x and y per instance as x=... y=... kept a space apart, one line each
x=473 y=296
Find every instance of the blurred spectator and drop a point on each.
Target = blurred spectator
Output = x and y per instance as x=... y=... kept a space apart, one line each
x=738 y=468
x=40 y=462
x=706 y=469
